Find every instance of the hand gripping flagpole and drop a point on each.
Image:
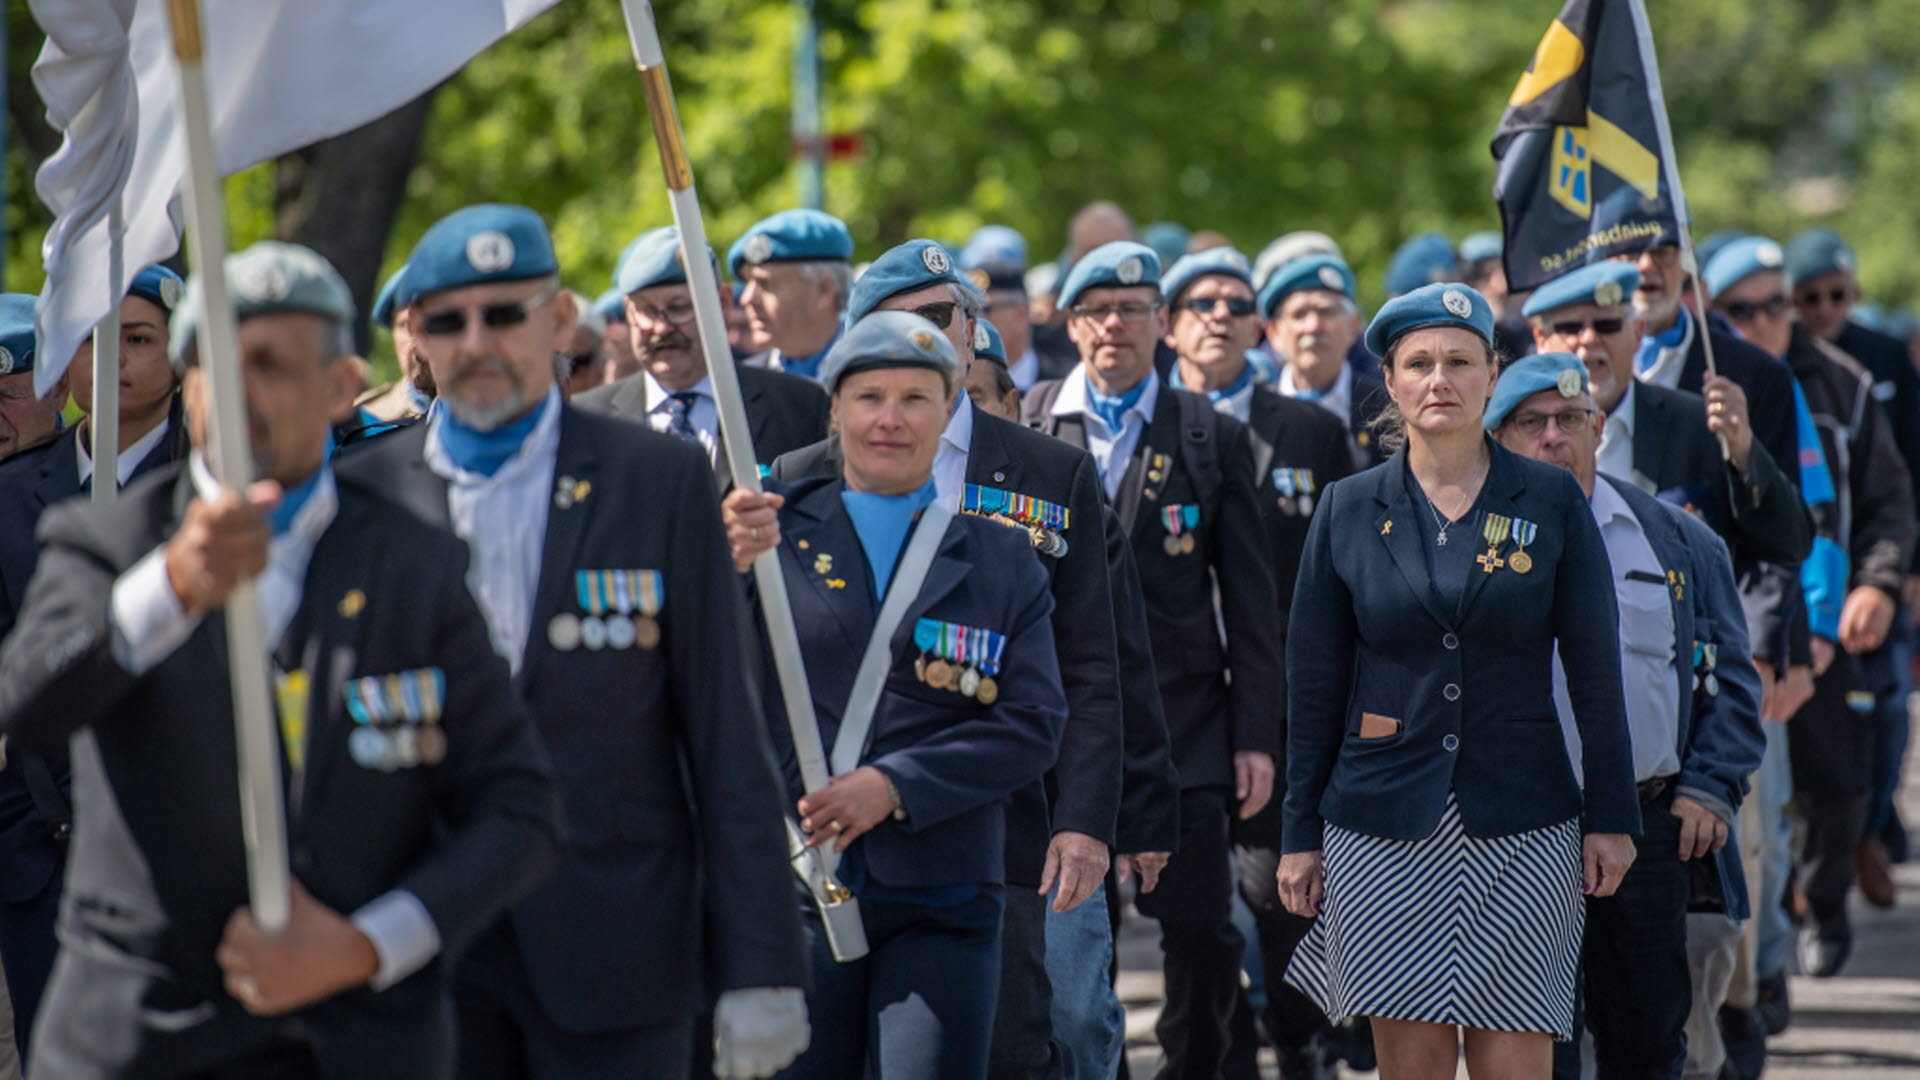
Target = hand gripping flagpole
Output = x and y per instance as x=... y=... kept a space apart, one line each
x=839 y=912
x=254 y=737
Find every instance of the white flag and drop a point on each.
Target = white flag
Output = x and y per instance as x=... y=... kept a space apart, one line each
x=280 y=76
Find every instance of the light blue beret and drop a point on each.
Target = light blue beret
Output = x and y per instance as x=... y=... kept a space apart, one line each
x=913 y=265
x=383 y=304
x=269 y=278
x=1818 y=251
x=16 y=333
x=1528 y=376
x=477 y=245
x=1191 y=268
x=1044 y=279
x=1738 y=259
x=611 y=305
x=158 y=285
x=1705 y=250
x=987 y=342
x=1480 y=245
x=1608 y=283
x=792 y=236
x=1328 y=272
x=994 y=247
x=888 y=339
x=1120 y=264
x=652 y=259
x=1424 y=260
x=1443 y=303
x=1168 y=239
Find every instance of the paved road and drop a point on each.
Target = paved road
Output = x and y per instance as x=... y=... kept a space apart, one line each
x=1862 y=1025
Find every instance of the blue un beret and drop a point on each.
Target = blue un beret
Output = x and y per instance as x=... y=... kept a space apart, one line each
x=888 y=339
x=1119 y=264
x=1329 y=272
x=913 y=265
x=1738 y=259
x=1423 y=260
x=652 y=259
x=1480 y=245
x=158 y=285
x=611 y=305
x=1191 y=268
x=1440 y=304
x=478 y=245
x=269 y=278
x=1818 y=251
x=1528 y=376
x=792 y=236
x=987 y=342
x=1168 y=239
x=1609 y=283
x=16 y=333
x=994 y=248
x=1705 y=250
x=383 y=304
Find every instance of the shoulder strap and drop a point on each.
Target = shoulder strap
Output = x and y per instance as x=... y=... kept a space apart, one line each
x=857 y=722
x=1200 y=440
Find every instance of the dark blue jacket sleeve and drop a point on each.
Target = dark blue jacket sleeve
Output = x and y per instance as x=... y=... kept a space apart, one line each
x=1321 y=632
x=1726 y=741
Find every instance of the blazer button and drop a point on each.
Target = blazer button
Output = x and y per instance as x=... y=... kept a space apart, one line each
x=1451 y=692
x=1451 y=742
x=1451 y=641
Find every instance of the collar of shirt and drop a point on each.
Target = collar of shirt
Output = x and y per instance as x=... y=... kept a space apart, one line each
x=950 y=460
x=1026 y=370
x=1076 y=398
x=1663 y=356
x=658 y=397
x=1609 y=508
x=280 y=585
x=537 y=448
x=1334 y=398
x=130 y=457
x=808 y=366
x=1614 y=455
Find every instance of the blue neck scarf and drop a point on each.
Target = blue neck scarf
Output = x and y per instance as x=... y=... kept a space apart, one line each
x=1110 y=409
x=295 y=497
x=484 y=452
x=418 y=399
x=883 y=523
x=809 y=366
x=1217 y=396
x=1671 y=337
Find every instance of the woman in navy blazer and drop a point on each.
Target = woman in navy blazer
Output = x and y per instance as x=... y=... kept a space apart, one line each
x=1432 y=820
x=920 y=821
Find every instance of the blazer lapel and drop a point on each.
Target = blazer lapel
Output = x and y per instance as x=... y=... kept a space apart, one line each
x=1398 y=529
x=824 y=543
x=988 y=462
x=1262 y=417
x=577 y=457
x=1162 y=436
x=60 y=471
x=1504 y=484
x=332 y=623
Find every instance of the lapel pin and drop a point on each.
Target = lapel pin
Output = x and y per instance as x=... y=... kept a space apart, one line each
x=353 y=603
x=999 y=478
x=836 y=583
x=823 y=563
x=1386 y=528
x=802 y=544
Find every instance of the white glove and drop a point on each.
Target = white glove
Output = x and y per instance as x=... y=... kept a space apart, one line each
x=758 y=1032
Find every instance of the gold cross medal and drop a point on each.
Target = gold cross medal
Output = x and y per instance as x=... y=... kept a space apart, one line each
x=1523 y=534
x=1495 y=530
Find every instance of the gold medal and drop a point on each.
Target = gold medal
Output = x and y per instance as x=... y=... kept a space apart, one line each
x=1171 y=545
x=646 y=632
x=1186 y=543
x=987 y=692
x=1520 y=561
x=433 y=744
x=939 y=674
x=920 y=667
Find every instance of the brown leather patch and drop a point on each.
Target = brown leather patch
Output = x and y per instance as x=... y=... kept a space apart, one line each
x=1375 y=726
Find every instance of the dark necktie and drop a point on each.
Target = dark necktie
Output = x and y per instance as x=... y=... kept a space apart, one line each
x=680 y=416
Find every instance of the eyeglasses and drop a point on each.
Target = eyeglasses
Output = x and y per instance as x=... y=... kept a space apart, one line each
x=502 y=316
x=1133 y=311
x=578 y=362
x=678 y=313
x=1237 y=306
x=1744 y=310
x=1665 y=256
x=1573 y=328
x=1812 y=297
x=1569 y=421
x=939 y=313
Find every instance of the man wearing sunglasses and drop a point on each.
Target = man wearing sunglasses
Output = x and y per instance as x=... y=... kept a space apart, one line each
x=794 y=280
x=673 y=392
x=600 y=565
x=1313 y=325
x=1693 y=709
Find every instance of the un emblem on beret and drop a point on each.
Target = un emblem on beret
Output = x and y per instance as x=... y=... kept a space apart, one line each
x=981 y=343
x=261 y=282
x=759 y=248
x=1843 y=260
x=1607 y=293
x=1128 y=271
x=921 y=340
x=1569 y=383
x=980 y=278
x=1769 y=255
x=489 y=252
x=1331 y=278
x=6 y=360
x=936 y=259
x=1456 y=303
x=170 y=290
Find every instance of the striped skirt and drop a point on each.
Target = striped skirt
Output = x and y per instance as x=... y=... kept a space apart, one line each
x=1451 y=929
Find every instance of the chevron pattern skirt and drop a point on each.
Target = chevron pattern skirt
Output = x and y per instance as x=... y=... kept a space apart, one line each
x=1453 y=929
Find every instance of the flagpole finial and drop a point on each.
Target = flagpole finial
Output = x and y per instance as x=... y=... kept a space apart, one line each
x=187 y=43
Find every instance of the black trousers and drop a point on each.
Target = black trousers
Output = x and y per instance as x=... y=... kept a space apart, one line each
x=1199 y=945
x=1291 y=1017
x=1831 y=743
x=1636 y=987
x=1022 y=1047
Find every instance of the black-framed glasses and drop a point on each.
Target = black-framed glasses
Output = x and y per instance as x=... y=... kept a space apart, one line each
x=1573 y=328
x=501 y=316
x=1744 y=310
x=1812 y=297
x=939 y=313
x=1569 y=421
x=1237 y=306
x=677 y=313
x=1133 y=311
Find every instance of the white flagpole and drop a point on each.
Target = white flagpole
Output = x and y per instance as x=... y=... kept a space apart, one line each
x=230 y=456
x=843 y=922
x=103 y=412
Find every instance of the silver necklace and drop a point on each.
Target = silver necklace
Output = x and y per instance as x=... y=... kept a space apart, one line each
x=1441 y=522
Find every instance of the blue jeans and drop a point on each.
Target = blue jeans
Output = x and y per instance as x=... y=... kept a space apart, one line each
x=1889 y=745
x=1773 y=787
x=1089 y=1025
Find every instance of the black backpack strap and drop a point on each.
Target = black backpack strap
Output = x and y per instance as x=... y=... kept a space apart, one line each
x=1200 y=441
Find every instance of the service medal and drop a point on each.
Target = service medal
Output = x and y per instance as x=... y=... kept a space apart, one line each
x=368 y=745
x=593 y=632
x=563 y=632
x=432 y=744
x=1186 y=543
x=920 y=667
x=646 y=632
x=405 y=748
x=939 y=674
x=1523 y=534
x=620 y=632
x=969 y=682
x=1306 y=505
x=1171 y=545
x=1521 y=562
x=987 y=692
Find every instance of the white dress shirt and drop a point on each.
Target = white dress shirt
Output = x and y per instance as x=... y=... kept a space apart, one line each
x=1646 y=643
x=1110 y=449
x=950 y=463
x=1238 y=405
x=149 y=624
x=703 y=414
x=1025 y=371
x=130 y=457
x=1337 y=400
x=503 y=519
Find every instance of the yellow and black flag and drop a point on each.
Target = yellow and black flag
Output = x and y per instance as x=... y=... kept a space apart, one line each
x=1585 y=159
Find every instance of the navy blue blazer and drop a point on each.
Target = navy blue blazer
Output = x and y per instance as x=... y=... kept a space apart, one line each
x=953 y=760
x=1472 y=688
x=1719 y=740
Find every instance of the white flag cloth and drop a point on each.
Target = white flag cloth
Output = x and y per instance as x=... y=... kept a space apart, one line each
x=280 y=76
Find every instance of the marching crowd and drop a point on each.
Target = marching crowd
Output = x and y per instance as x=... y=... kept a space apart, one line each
x=1123 y=585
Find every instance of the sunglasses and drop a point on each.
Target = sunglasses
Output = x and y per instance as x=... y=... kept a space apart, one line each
x=1569 y=421
x=1812 y=297
x=1237 y=306
x=939 y=313
x=1603 y=327
x=502 y=316
x=1744 y=310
